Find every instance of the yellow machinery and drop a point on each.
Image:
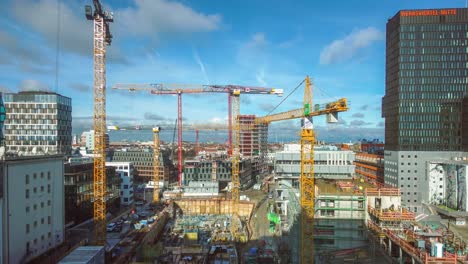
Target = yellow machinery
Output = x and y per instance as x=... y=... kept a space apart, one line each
x=235 y=164
x=102 y=38
x=156 y=165
x=307 y=185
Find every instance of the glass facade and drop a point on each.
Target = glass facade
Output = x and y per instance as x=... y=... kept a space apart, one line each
x=39 y=121
x=426 y=80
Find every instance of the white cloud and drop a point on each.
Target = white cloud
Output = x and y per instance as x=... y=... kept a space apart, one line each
x=257 y=40
x=146 y=18
x=260 y=76
x=201 y=65
x=33 y=85
x=344 y=49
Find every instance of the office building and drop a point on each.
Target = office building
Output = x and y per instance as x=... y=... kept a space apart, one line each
x=142 y=160
x=32 y=207
x=202 y=171
x=125 y=170
x=426 y=83
x=78 y=181
x=330 y=163
x=254 y=141
x=38 y=123
x=88 y=139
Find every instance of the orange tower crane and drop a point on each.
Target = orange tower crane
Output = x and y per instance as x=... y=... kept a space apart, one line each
x=307 y=185
x=179 y=89
x=102 y=38
x=156 y=165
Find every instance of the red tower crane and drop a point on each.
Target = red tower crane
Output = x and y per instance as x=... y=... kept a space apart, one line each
x=179 y=89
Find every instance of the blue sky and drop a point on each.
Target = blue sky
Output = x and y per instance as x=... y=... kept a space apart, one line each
x=340 y=44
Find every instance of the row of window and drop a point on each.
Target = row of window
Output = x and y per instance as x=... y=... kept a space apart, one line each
x=433 y=50
x=433 y=35
x=433 y=58
x=412 y=125
x=432 y=73
x=49 y=203
x=35 y=190
x=440 y=88
x=433 y=43
x=441 y=96
x=28 y=229
x=433 y=27
x=433 y=65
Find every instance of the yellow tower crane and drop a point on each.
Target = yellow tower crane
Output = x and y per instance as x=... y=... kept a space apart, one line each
x=307 y=185
x=234 y=91
x=102 y=38
x=156 y=165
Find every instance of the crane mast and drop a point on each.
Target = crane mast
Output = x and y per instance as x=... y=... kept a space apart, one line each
x=307 y=185
x=102 y=38
x=235 y=163
x=156 y=165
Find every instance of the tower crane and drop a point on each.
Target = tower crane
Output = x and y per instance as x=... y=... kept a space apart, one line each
x=156 y=165
x=102 y=38
x=307 y=184
x=179 y=89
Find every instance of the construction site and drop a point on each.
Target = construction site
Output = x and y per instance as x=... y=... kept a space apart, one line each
x=229 y=208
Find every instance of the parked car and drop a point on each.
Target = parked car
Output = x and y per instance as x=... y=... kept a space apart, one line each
x=139 y=203
x=111 y=227
x=117 y=228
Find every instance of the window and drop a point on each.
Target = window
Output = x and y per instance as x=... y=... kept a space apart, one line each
x=48 y=175
x=27 y=179
x=48 y=188
x=415 y=208
x=35 y=176
x=125 y=199
x=49 y=235
x=42 y=237
x=48 y=202
x=42 y=204
x=48 y=220
x=42 y=220
x=27 y=228
x=42 y=188
x=42 y=175
x=35 y=206
x=27 y=194
x=126 y=186
x=35 y=223
x=35 y=190
x=27 y=209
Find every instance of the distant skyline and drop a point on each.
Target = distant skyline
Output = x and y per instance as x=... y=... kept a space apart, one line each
x=340 y=44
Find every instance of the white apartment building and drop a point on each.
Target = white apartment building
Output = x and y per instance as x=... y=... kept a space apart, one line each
x=330 y=163
x=88 y=139
x=125 y=169
x=32 y=207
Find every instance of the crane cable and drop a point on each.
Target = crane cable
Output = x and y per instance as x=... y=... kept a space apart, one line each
x=57 y=54
x=286 y=97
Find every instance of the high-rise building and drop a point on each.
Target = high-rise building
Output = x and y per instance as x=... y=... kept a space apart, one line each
x=38 y=122
x=254 y=141
x=125 y=169
x=31 y=206
x=88 y=139
x=426 y=81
